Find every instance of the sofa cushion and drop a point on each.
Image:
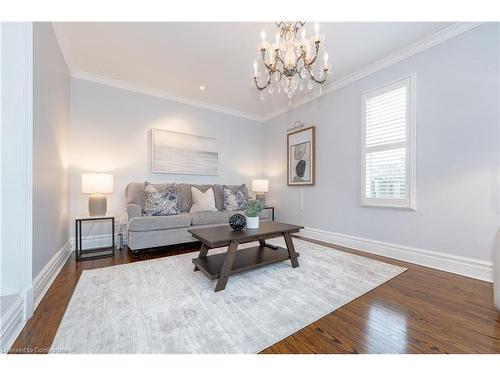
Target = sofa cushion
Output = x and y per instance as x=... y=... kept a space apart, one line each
x=145 y=223
x=184 y=198
x=202 y=202
x=134 y=192
x=160 y=202
x=235 y=198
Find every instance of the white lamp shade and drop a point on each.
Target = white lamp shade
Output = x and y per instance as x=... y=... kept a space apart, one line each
x=260 y=185
x=93 y=183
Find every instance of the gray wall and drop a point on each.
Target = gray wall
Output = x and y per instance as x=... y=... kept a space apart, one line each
x=51 y=121
x=457 y=153
x=110 y=132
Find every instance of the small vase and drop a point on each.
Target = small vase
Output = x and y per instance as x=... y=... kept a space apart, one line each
x=252 y=222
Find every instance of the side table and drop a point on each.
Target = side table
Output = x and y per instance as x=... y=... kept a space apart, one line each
x=101 y=252
x=272 y=211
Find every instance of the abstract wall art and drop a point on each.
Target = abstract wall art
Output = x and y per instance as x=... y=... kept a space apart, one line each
x=301 y=157
x=180 y=153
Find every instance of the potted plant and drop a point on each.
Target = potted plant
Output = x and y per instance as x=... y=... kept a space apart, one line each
x=252 y=210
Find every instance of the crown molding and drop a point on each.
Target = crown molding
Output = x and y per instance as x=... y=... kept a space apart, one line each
x=409 y=51
x=63 y=43
x=96 y=78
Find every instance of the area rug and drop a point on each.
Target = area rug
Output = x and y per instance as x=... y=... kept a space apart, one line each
x=162 y=306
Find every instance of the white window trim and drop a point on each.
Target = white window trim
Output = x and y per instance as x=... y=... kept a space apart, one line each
x=410 y=202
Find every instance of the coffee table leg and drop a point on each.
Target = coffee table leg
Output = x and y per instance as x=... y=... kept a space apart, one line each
x=291 y=249
x=203 y=253
x=226 y=267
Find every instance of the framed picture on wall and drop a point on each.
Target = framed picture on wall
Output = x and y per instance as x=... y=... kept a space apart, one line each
x=301 y=148
x=173 y=152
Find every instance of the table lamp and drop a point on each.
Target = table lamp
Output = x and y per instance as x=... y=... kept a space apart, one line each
x=260 y=187
x=97 y=184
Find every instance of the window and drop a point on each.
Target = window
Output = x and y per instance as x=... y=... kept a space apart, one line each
x=388 y=169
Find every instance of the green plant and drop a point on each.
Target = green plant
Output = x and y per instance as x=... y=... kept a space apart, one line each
x=253 y=208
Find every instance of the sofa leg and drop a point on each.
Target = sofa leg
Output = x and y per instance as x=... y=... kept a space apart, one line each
x=135 y=252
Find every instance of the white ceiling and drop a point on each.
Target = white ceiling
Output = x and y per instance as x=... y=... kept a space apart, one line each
x=177 y=57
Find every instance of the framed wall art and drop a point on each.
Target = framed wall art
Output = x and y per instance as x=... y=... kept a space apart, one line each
x=173 y=152
x=301 y=151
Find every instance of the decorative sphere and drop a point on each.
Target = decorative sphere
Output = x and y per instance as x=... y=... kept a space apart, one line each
x=237 y=222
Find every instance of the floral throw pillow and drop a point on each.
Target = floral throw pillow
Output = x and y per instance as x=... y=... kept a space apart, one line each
x=160 y=203
x=235 y=198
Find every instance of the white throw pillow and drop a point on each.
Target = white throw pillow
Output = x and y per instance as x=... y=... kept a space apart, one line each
x=202 y=201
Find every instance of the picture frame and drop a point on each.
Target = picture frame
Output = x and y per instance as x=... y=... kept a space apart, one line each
x=180 y=153
x=301 y=157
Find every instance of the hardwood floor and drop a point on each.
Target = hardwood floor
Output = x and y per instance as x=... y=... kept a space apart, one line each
x=420 y=311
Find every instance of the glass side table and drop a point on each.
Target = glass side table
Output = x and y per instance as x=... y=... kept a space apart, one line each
x=93 y=253
x=272 y=211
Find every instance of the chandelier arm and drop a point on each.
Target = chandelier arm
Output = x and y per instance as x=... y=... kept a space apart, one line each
x=260 y=88
x=301 y=56
x=313 y=60
x=320 y=81
x=300 y=70
x=269 y=67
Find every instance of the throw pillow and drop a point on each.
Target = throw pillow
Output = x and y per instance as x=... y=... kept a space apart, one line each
x=160 y=203
x=202 y=201
x=235 y=198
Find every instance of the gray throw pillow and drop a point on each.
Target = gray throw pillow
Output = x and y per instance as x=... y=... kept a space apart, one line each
x=235 y=198
x=160 y=203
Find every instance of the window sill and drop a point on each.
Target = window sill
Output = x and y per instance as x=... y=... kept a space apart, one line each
x=375 y=205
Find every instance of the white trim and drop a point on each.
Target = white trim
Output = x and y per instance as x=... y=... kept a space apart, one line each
x=96 y=78
x=12 y=323
x=64 y=46
x=48 y=274
x=475 y=268
x=407 y=52
x=28 y=167
x=17 y=128
x=410 y=201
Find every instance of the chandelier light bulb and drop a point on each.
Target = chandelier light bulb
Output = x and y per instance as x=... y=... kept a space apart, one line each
x=325 y=59
x=310 y=85
x=303 y=33
x=255 y=71
x=263 y=35
x=316 y=27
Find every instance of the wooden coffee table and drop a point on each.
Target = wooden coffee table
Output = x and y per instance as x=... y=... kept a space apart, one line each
x=220 y=266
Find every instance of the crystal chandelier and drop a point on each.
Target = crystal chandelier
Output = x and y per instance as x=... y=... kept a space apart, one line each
x=290 y=60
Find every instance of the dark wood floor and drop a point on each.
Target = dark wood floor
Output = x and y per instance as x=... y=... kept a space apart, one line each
x=420 y=311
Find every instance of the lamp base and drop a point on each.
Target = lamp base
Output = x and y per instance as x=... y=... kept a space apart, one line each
x=97 y=205
x=261 y=197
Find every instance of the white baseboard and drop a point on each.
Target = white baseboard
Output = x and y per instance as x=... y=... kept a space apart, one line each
x=48 y=274
x=12 y=322
x=101 y=240
x=475 y=268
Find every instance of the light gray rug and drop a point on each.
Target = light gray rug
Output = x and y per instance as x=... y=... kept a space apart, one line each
x=162 y=306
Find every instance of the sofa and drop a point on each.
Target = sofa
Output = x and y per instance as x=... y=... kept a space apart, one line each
x=144 y=232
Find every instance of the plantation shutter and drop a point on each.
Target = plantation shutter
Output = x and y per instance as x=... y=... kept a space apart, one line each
x=386 y=124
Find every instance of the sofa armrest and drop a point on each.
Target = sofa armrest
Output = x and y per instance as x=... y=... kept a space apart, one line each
x=133 y=210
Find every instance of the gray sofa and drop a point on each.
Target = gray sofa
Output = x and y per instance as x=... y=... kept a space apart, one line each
x=145 y=232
